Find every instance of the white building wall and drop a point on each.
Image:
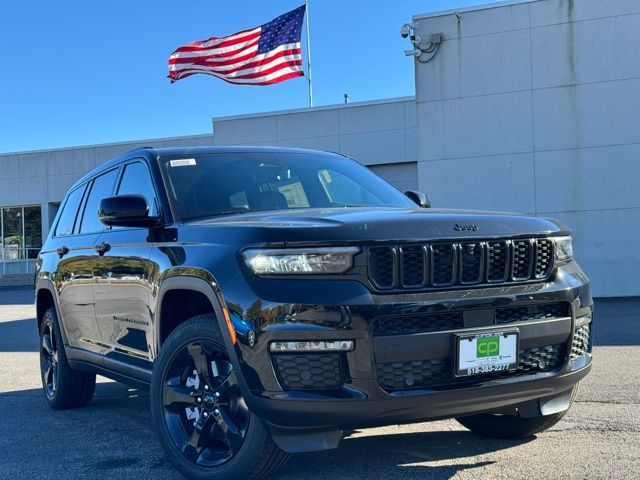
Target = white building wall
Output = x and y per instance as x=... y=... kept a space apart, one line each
x=534 y=106
x=374 y=133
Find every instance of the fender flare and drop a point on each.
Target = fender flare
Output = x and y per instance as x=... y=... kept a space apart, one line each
x=200 y=281
x=45 y=283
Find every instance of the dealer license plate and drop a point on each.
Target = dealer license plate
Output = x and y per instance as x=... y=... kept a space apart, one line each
x=487 y=352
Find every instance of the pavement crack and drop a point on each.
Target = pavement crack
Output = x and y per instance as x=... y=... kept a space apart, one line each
x=608 y=402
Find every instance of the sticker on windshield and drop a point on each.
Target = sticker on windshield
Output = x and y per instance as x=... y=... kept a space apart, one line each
x=327 y=177
x=183 y=162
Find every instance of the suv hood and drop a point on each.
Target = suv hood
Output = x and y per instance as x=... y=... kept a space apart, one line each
x=362 y=224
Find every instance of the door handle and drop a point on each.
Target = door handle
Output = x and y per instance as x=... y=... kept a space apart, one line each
x=62 y=251
x=102 y=248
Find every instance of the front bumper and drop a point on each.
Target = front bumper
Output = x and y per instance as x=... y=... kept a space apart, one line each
x=297 y=310
x=315 y=414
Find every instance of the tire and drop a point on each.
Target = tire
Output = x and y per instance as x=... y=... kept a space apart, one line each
x=63 y=387
x=512 y=427
x=203 y=423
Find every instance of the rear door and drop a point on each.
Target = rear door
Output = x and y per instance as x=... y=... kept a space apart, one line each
x=74 y=241
x=122 y=282
x=73 y=276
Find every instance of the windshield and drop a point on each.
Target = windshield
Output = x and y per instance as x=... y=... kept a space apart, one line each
x=218 y=184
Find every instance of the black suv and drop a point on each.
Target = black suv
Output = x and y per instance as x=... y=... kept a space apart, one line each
x=272 y=299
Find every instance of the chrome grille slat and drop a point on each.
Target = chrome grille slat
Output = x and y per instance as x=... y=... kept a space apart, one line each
x=460 y=263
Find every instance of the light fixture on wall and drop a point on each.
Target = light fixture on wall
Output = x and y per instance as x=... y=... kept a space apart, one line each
x=423 y=51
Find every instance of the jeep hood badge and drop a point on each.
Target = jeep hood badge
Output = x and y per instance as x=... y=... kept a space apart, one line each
x=471 y=228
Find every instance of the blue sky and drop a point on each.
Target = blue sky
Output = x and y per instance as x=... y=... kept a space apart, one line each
x=78 y=72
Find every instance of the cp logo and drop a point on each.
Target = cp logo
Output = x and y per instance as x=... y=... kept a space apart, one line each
x=488 y=347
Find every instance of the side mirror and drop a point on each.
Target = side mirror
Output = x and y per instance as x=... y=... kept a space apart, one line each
x=126 y=211
x=420 y=198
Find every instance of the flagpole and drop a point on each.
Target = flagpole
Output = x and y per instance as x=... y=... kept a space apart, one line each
x=306 y=4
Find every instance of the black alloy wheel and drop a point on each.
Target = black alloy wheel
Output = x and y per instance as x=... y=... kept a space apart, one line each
x=203 y=422
x=204 y=411
x=49 y=359
x=63 y=387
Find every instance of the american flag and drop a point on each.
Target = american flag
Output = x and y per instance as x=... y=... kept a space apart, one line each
x=260 y=56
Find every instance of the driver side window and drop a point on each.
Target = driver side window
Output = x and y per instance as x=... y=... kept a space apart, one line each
x=136 y=180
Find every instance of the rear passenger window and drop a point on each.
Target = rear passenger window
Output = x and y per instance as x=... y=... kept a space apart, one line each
x=69 y=212
x=137 y=180
x=101 y=187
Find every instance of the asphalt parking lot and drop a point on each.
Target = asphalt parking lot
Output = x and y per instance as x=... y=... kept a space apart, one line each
x=113 y=436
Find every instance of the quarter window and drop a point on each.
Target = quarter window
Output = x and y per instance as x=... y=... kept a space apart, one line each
x=69 y=212
x=101 y=187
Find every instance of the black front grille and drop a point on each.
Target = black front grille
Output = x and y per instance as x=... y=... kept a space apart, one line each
x=309 y=371
x=544 y=257
x=581 y=344
x=453 y=264
x=382 y=265
x=532 y=312
x=438 y=374
x=471 y=256
x=498 y=261
x=442 y=264
x=412 y=265
x=406 y=324
x=522 y=252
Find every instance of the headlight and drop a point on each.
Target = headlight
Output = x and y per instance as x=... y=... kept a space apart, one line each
x=298 y=261
x=564 y=249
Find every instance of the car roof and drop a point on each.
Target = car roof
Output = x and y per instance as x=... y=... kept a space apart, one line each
x=157 y=153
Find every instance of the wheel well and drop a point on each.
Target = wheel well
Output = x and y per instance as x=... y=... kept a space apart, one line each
x=44 y=301
x=178 y=306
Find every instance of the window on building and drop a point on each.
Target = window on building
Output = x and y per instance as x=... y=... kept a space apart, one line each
x=102 y=187
x=137 y=180
x=12 y=240
x=69 y=212
x=20 y=232
x=32 y=231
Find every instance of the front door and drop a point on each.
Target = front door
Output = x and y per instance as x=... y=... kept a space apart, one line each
x=122 y=282
x=121 y=290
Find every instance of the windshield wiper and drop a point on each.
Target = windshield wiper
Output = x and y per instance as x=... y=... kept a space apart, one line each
x=339 y=205
x=227 y=212
x=214 y=214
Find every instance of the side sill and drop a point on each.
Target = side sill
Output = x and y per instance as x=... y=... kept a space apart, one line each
x=119 y=371
x=118 y=377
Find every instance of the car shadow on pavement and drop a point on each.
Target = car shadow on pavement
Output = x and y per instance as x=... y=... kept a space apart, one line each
x=17 y=296
x=119 y=416
x=19 y=335
x=397 y=456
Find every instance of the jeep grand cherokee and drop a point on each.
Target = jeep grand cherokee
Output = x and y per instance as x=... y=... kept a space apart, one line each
x=272 y=299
